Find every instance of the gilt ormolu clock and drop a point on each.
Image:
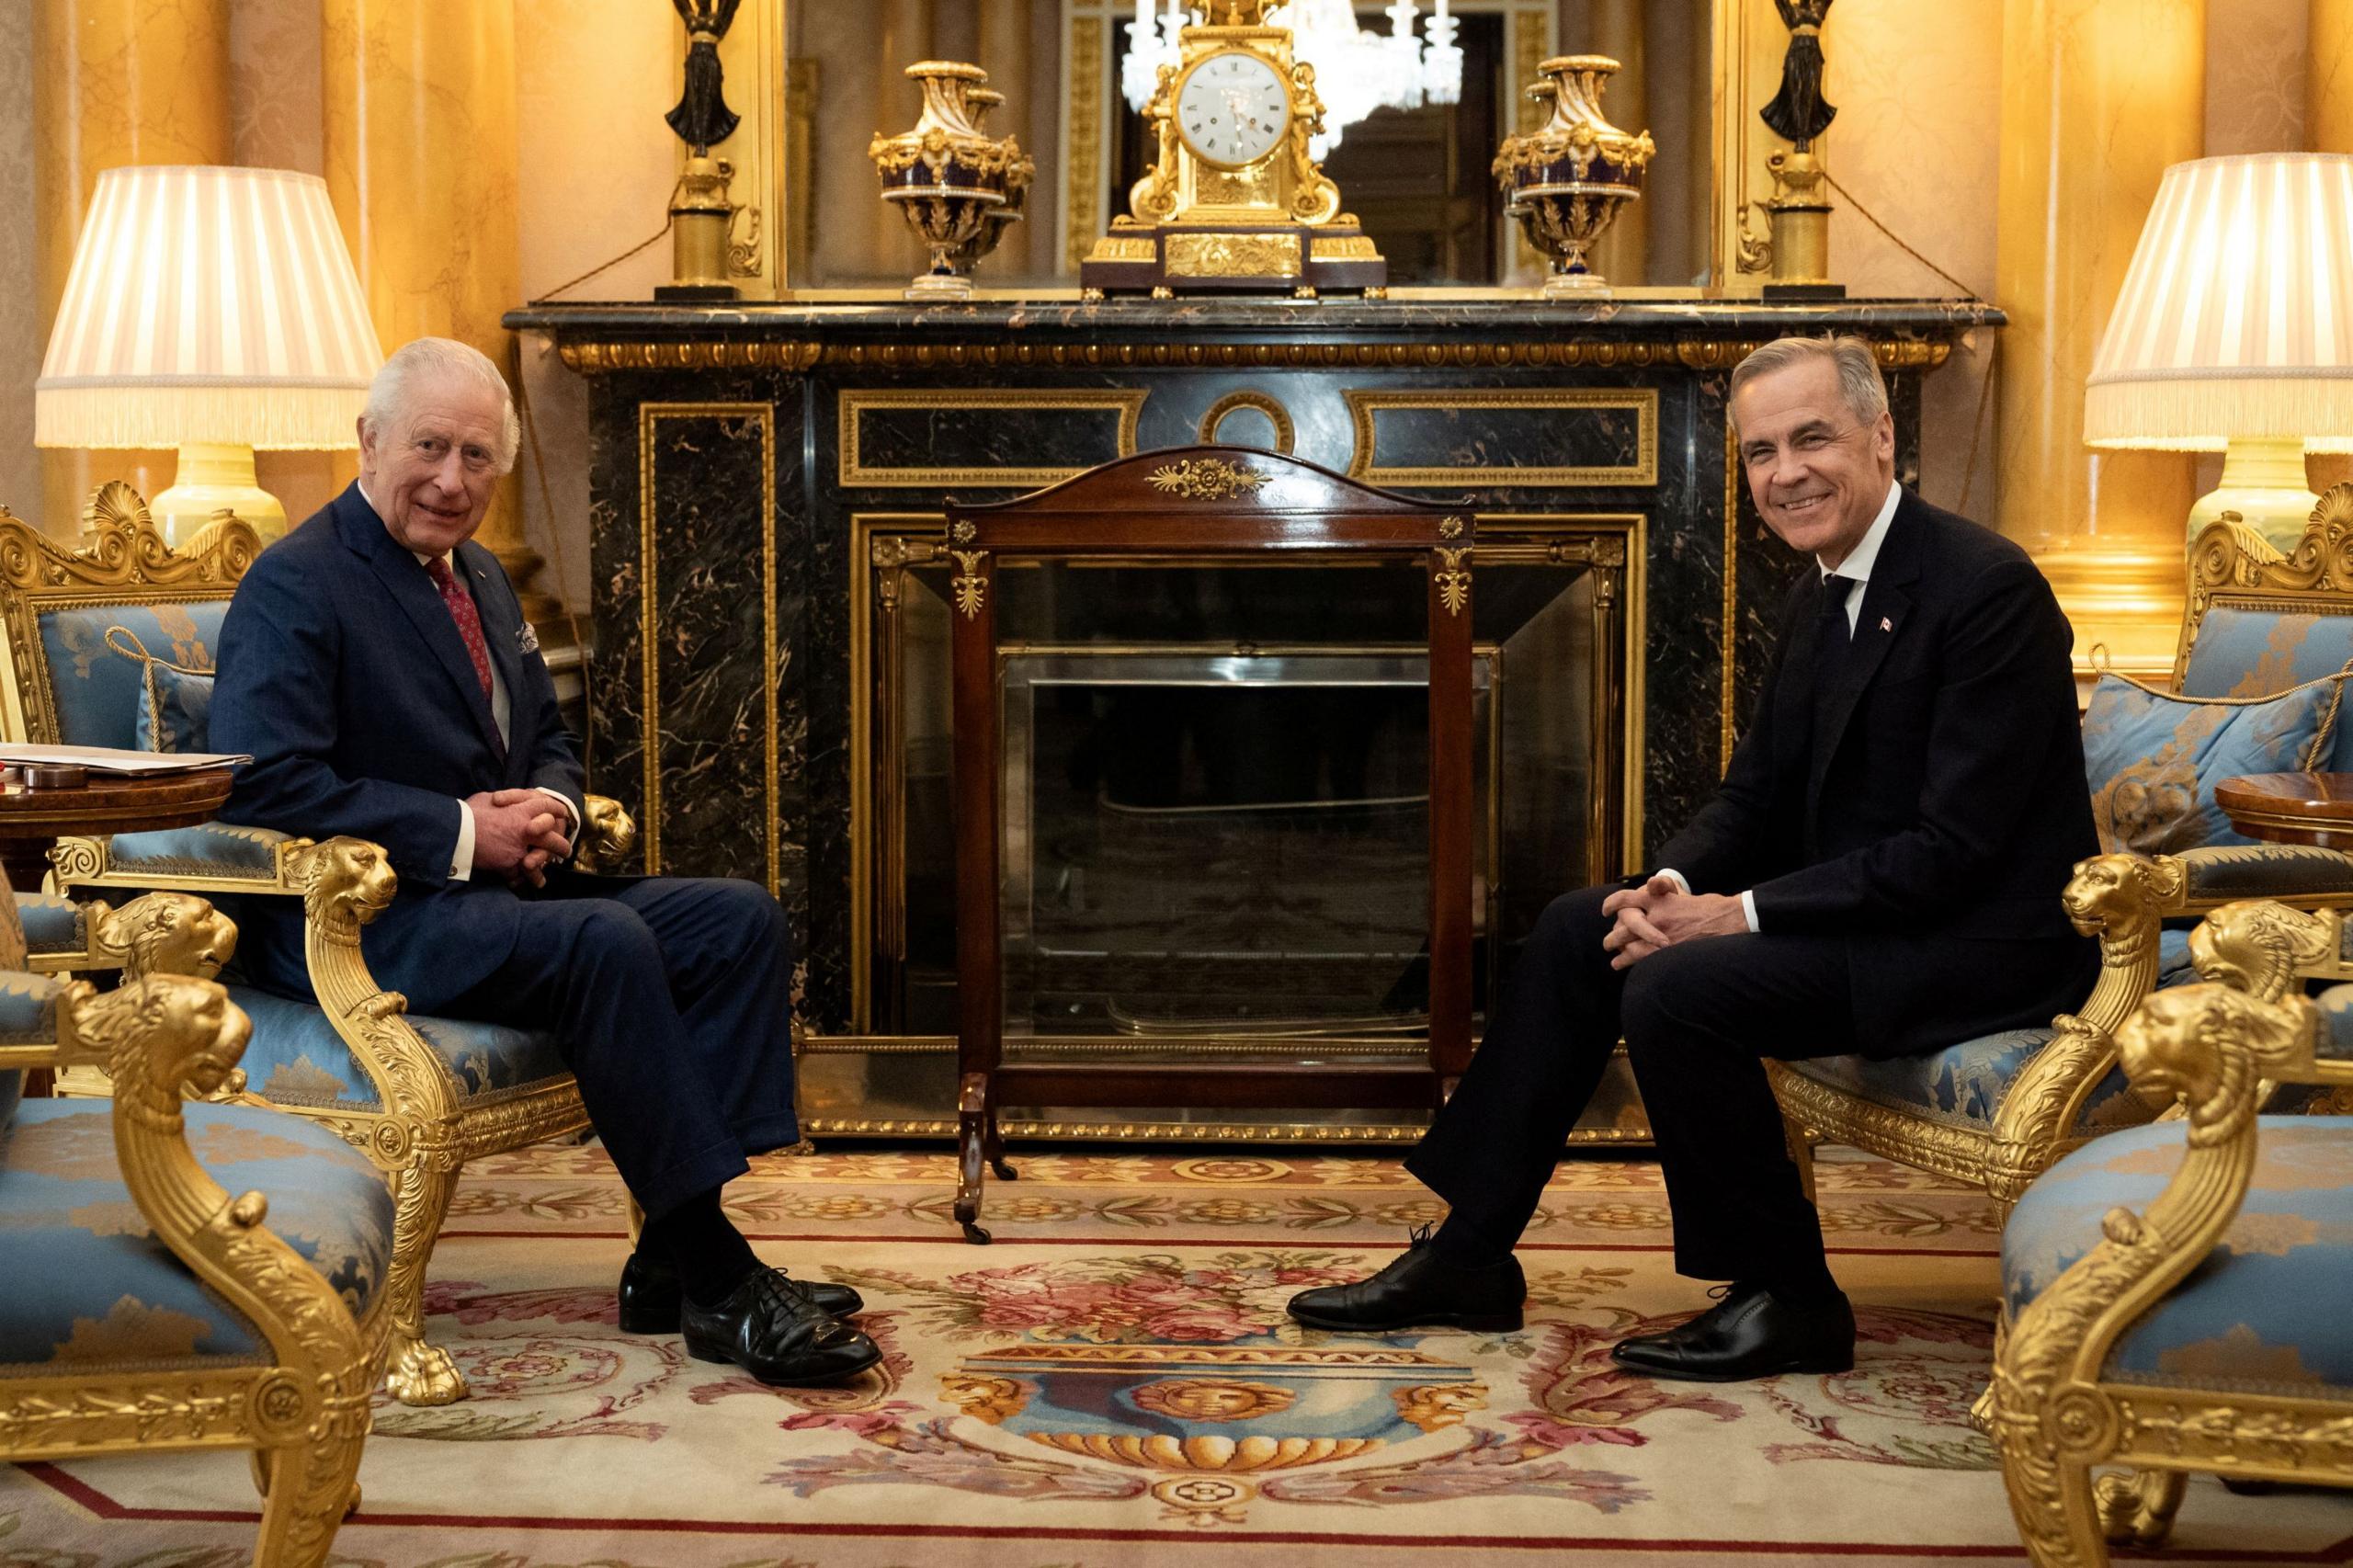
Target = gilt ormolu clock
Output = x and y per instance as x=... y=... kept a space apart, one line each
x=1232 y=203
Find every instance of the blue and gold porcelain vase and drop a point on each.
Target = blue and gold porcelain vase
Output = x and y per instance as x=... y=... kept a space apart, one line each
x=1565 y=180
x=948 y=177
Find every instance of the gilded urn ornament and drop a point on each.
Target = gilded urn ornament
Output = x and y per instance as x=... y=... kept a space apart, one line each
x=948 y=177
x=1565 y=180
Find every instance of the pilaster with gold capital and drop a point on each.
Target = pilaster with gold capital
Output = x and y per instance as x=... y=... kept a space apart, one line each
x=2097 y=98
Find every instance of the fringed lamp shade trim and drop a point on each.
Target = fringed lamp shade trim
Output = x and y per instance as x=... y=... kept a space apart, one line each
x=207 y=305
x=271 y=418
x=2236 y=315
x=2201 y=413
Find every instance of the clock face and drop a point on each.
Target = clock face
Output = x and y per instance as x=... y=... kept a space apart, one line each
x=1232 y=108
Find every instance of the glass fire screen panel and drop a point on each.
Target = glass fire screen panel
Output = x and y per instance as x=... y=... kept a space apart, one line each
x=1217 y=845
x=1147 y=714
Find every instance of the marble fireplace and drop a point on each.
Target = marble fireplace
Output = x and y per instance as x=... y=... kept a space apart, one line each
x=1211 y=784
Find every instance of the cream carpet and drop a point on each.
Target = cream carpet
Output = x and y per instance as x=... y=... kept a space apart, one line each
x=1113 y=1384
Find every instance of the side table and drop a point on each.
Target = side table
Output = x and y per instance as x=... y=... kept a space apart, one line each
x=2290 y=807
x=32 y=821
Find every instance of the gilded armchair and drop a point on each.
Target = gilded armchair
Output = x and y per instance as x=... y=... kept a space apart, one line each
x=419 y=1096
x=149 y=1306
x=2174 y=1295
x=1998 y=1110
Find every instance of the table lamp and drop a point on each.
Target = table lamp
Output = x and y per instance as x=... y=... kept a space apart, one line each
x=214 y=310
x=2235 y=332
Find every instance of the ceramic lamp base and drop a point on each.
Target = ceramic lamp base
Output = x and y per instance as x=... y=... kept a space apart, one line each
x=2263 y=481
x=214 y=477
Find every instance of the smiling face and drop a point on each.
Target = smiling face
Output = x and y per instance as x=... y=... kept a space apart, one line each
x=1817 y=471
x=431 y=465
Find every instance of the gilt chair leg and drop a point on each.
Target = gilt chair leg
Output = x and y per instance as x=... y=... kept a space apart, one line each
x=2051 y=1498
x=2136 y=1508
x=416 y=1372
x=306 y=1490
x=1800 y=1149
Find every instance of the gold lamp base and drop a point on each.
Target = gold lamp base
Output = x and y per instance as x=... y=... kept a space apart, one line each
x=214 y=476
x=2263 y=481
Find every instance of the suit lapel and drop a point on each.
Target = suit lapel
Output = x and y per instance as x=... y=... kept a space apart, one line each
x=420 y=601
x=1887 y=605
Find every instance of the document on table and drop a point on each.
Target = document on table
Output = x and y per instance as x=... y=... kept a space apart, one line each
x=117 y=761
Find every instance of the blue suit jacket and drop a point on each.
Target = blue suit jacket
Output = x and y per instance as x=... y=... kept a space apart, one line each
x=342 y=673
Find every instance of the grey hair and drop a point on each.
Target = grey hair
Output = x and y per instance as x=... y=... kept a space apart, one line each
x=434 y=358
x=1858 y=365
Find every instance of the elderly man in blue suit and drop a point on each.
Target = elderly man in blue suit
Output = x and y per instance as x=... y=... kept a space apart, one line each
x=377 y=665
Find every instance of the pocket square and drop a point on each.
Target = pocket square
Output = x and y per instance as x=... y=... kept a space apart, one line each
x=528 y=639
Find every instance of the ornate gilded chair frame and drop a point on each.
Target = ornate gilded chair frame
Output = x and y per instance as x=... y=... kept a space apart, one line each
x=424 y=1131
x=2056 y=1413
x=304 y=1411
x=2124 y=901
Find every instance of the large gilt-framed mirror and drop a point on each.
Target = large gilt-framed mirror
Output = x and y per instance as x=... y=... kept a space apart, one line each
x=815 y=81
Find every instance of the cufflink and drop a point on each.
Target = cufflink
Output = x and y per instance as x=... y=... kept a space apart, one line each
x=527 y=640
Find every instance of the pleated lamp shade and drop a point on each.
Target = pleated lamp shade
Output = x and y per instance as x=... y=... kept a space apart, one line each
x=2236 y=318
x=208 y=305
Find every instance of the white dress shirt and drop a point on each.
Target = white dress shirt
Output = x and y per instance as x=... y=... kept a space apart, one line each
x=461 y=858
x=1857 y=569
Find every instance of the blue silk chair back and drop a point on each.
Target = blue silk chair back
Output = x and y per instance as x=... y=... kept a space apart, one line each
x=92 y=690
x=2260 y=621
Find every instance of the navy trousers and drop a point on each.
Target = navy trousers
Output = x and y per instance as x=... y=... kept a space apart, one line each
x=670 y=997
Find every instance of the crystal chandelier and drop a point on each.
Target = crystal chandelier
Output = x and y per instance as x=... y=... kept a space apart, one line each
x=1356 y=72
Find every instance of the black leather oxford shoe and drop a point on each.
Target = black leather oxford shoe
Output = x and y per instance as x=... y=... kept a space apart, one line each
x=1750 y=1334
x=650 y=1296
x=768 y=1327
x=1419 y=1288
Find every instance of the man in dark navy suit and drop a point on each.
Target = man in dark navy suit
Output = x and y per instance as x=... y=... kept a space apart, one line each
x=377 y=665
x=1878 y=873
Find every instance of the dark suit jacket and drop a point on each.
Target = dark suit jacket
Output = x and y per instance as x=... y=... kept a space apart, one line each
x=1919 y=791
x=342 y=673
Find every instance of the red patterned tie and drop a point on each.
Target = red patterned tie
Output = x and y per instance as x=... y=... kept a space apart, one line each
x=461 y=611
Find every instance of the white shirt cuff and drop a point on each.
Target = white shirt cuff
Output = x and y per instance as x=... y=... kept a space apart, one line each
x=1749 y=907
x=461 y=860
x=1682 y=883
x=570 y=811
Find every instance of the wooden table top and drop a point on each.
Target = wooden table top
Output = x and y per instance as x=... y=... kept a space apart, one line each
x=2290 y=807
x=114 y=805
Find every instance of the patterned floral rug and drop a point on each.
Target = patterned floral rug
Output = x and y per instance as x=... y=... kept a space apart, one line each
x=1113 y=1384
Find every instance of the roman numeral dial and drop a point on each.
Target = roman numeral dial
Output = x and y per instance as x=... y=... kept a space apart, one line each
x=1232 y=107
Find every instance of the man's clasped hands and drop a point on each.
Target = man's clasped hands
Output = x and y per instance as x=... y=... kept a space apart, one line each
x=517 y=832
x=1660 y=913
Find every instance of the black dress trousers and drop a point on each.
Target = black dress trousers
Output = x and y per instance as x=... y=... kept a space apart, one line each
x=1698 y=1019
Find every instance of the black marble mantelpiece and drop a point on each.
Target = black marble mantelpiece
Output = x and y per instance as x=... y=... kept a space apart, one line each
x=739 y=441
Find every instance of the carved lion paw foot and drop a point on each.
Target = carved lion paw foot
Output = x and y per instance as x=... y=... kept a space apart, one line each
x=418 y=1373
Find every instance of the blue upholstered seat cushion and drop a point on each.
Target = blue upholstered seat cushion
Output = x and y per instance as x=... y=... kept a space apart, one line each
x=52 y=924
x=2152 y=760
x=28 y=1008
x=2336 y=1036
x=1963 y=1085
x=96 y=689
x=90 y=1284
x=215 y=849
x=2267 y=1313
x=174 y=710
x=296 y=1058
